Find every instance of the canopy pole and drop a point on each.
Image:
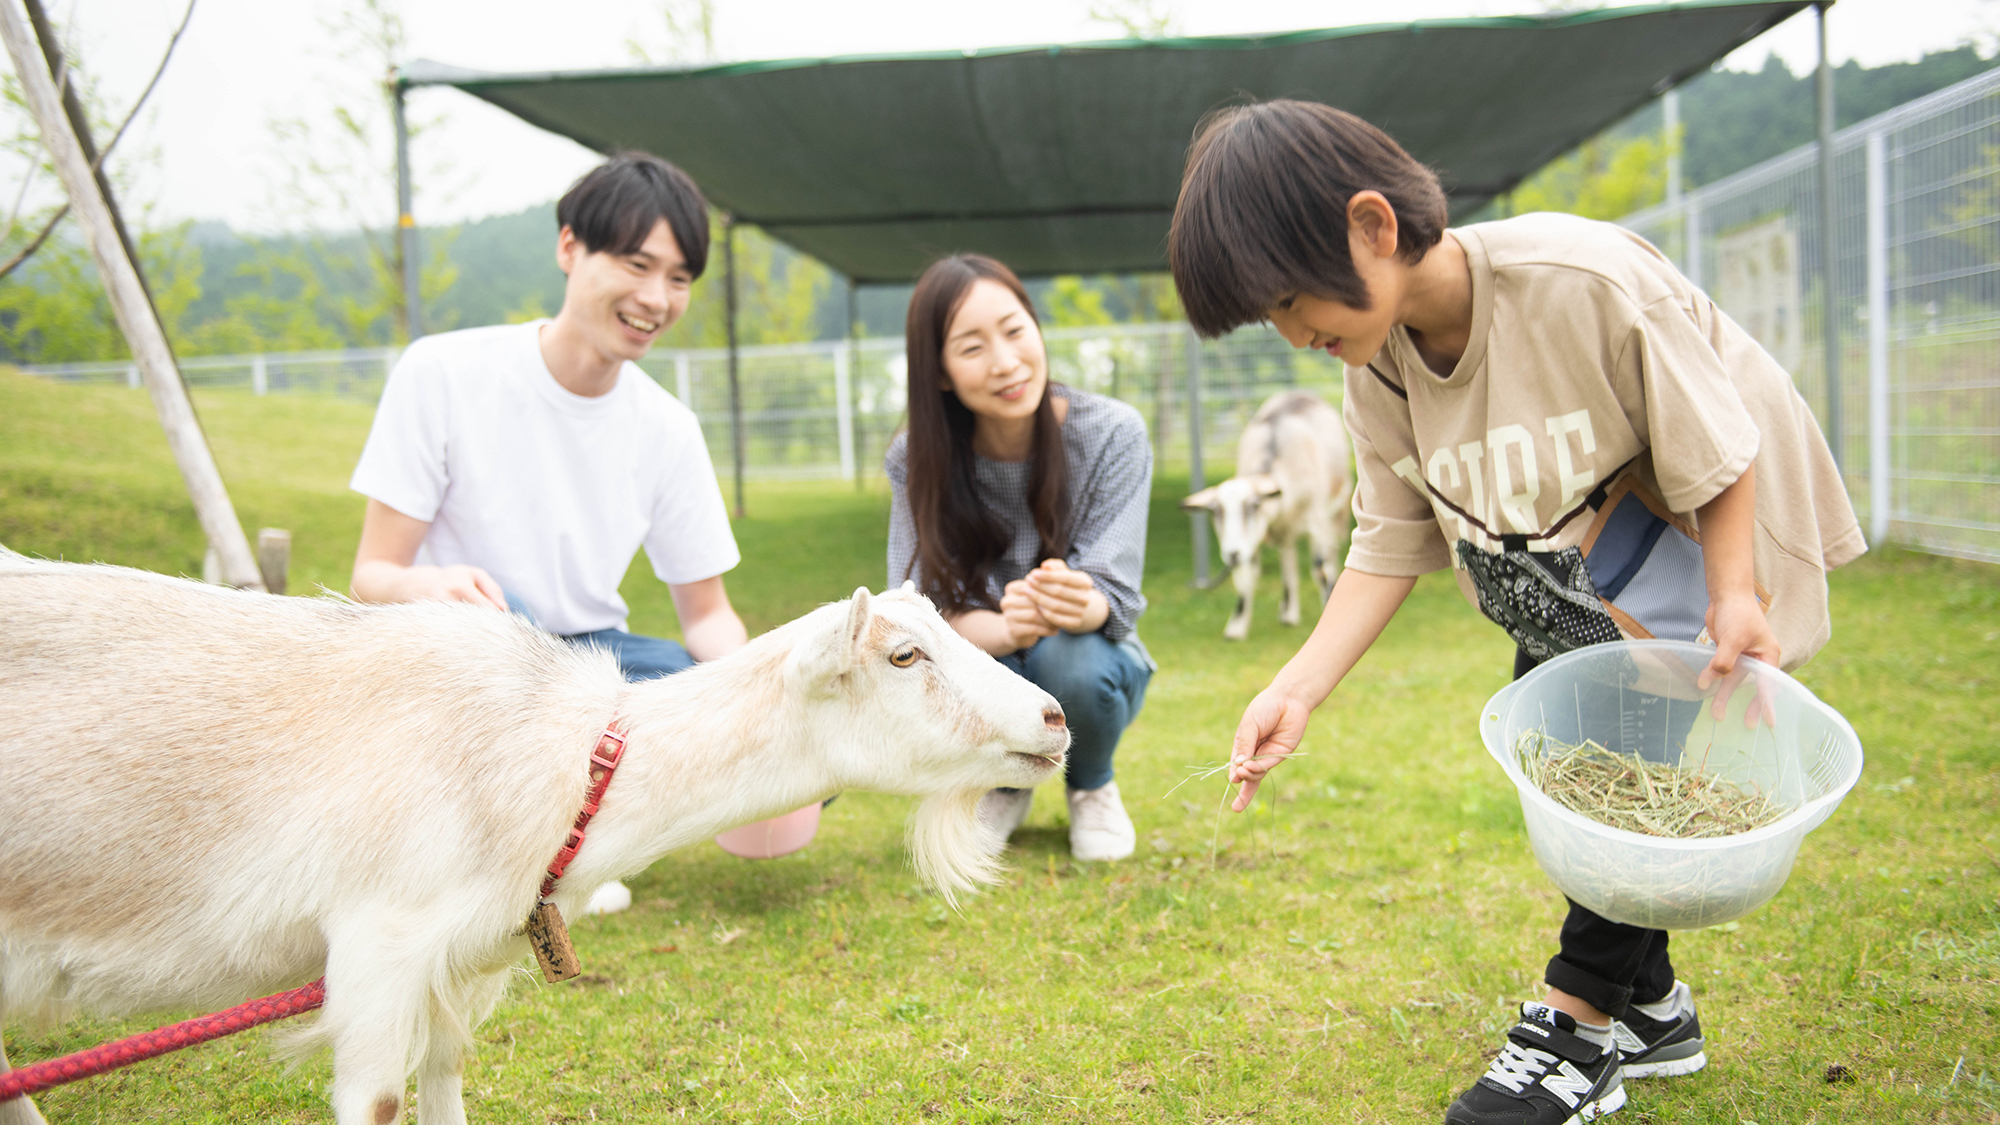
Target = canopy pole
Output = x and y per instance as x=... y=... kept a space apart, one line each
x=406 y=223
x=1197 y=521
x=1836 y=420
x=134 y=312
x=729 y=323
x=854 y=367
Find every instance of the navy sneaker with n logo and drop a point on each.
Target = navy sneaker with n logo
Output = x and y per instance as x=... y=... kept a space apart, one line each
x=1545 y=1074
x=1662 y=1039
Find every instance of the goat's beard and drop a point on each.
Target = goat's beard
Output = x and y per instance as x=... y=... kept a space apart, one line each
x=952 y=850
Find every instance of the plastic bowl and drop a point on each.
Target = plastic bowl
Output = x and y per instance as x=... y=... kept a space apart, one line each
x=769 y=839
x=1641 y=697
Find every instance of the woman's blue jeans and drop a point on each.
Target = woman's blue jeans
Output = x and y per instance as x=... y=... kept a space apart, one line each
x=639 y=657
x=1101 y=684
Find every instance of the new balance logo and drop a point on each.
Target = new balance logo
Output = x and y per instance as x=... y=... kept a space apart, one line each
x=1628 y=1040
x=1568 y=1083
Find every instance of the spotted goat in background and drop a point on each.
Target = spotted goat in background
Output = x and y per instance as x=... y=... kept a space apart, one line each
x=1292 y=478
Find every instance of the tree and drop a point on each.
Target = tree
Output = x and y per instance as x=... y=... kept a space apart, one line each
x=690 y=34
x=1140 y=19
x=346 y=168
x=778 y=291
x=1600 y=179
x=54 y=310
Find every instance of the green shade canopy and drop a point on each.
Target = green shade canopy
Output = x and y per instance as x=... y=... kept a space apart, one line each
x=1067 y=159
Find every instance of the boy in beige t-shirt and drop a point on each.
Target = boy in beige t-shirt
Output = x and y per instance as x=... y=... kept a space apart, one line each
x=1513 y=387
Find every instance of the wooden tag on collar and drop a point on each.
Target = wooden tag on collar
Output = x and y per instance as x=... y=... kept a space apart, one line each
x=550 y=937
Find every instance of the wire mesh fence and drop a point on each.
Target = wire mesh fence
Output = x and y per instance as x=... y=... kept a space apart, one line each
x=1914 y=306
x=828 y=409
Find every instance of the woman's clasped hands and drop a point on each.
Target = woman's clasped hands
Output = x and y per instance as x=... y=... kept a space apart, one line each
x=1052 y=597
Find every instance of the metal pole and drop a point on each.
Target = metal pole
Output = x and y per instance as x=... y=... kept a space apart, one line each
x=843 y=407
x=729 y=320
x=1670 y=109
x=1693 y=212
x=1836 y=421
x=854 y=356
x=136 y=319
x=406 y=222
x=1198 y=521
x=1878 y=339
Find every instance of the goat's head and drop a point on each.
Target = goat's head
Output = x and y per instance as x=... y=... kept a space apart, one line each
x=1242 y=509
x=909 y=706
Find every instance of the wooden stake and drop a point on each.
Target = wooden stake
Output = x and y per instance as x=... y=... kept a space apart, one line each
x=134 y=312
x=274 y=557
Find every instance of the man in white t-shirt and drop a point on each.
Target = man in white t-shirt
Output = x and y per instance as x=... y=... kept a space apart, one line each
x=520 y=466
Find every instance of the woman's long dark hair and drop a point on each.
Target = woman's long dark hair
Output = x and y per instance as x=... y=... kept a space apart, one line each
x=959 y=538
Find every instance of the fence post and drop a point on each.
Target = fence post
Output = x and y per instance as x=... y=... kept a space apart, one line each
x=684 y=380
x=1692 y=254
x=1878 y=339
x=259 y=380
x=1198 y=521
x=132 y=377
x=1829 y=234
x=843 y=409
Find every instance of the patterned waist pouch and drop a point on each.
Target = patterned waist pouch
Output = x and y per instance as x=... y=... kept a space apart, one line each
x=1638 y=573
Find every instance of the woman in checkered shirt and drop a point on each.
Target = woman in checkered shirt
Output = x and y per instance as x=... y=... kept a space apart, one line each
x=1020 y=509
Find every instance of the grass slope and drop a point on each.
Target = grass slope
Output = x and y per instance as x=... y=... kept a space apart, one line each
x=1349 y=955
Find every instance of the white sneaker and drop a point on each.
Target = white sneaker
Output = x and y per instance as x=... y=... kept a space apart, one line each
x=1002 y=811
x=609 y=899
x=1098 y=826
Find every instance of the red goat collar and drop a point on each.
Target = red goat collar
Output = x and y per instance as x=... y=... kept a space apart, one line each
x=603 y=763
x=545 y=929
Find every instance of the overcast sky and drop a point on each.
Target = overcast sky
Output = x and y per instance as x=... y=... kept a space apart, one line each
x=205 y=148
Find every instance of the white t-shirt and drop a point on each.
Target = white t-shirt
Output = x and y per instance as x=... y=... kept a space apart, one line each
x=549 y=492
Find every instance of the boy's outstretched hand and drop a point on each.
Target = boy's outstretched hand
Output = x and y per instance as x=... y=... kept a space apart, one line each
x=1272 y=727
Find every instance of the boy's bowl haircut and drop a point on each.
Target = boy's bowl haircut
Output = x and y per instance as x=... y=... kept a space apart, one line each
x=1263 y=209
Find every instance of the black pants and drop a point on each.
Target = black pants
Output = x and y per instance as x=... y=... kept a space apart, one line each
x=1608 y=965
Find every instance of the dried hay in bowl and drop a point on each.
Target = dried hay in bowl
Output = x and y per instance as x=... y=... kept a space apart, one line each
x=1637 y=795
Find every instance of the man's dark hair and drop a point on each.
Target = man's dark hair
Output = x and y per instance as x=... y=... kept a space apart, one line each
x=1263 y=209
x=616 y=205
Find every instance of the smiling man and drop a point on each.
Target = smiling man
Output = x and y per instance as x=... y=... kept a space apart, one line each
x=521 y=466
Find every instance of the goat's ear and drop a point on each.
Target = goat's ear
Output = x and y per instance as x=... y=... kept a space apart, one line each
x=858 y=615
x=1200 y=501
x=1266 y=485
x=826 y=656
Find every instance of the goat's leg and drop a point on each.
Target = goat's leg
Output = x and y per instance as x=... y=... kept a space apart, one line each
x=374 y=1002
x=1245 y=575
x=440 y=1086
x=1327 y=530
x=20 y=1111
x=441 y=1072
x=1288 y=572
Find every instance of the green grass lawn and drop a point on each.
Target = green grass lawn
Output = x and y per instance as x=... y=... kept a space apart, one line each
x=1352 y=953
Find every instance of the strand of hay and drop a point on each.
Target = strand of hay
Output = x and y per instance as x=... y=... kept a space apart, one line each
x=1629 y=792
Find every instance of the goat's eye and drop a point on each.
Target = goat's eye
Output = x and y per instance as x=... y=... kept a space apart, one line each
x=905 y=657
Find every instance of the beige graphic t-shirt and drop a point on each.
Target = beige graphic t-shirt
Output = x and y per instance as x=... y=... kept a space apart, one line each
x=1589 y=351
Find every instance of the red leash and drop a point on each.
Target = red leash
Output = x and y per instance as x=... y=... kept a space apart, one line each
x=36 y=1077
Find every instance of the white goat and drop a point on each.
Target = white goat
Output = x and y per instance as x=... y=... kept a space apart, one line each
x=212 y=795
x=1292 y=476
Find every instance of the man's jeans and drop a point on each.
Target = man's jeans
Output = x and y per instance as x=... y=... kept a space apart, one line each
x=1101 y=685
x=639 y=657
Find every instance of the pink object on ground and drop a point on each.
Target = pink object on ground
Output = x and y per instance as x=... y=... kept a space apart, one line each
x=769 y=839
